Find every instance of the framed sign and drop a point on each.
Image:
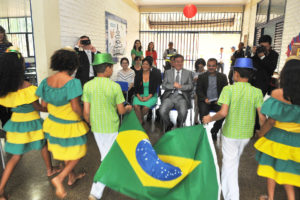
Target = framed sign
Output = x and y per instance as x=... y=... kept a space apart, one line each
x=116 y=31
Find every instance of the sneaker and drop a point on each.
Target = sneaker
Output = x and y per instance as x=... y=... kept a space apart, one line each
x=92 y=197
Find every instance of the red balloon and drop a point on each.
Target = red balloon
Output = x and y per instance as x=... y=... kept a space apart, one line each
x=190 y=10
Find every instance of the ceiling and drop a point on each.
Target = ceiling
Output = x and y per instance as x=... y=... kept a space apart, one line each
x=184 y=2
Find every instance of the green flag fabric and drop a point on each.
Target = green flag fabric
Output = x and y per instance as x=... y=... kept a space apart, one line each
x=181 y=166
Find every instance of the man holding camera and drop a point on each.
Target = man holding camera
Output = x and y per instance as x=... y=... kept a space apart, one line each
x=265 y=61
x=86 y=52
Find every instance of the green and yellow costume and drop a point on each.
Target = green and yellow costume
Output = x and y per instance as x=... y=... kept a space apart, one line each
x=24 y=130
x=279 y=150
x=64 y=129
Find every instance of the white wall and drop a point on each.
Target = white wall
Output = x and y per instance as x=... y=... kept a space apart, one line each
x=249 y=22
x=291 y=27
x=87 y=17
x=46 y=32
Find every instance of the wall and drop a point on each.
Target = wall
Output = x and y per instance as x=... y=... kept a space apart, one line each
x=46 y=31
x=82 y=17
x=249 y=22
x=291 y=27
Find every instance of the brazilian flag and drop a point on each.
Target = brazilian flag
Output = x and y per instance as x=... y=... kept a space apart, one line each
x=181 y=166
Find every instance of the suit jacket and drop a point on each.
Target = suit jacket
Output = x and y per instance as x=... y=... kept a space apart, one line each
x=186 y=82
x=138 y=83
x=265 y=69
x=202 y=85
x=83 y=71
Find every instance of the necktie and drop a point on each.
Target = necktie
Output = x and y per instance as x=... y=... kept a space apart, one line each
x=177 y=77
x=176 y=80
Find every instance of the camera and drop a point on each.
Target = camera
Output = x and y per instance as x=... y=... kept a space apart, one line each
x=85 y=42
x=261 y=49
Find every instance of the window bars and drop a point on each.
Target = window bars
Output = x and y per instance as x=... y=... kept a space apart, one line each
x=161 y=28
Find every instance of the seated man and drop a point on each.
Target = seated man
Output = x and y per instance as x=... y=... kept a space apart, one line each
x=208 y=90
x=177 y=83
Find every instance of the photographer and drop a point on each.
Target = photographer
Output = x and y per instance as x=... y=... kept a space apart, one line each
x=86 y=52
x=265 y=61
x=240 y=53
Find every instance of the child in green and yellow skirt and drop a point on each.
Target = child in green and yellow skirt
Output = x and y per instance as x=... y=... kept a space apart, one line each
x=279 y=146
x=64 y=128
x=24 y=130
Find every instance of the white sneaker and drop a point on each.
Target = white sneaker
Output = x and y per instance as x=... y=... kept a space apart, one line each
x=91 y=197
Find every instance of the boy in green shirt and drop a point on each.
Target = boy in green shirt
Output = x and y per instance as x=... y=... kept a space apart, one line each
x=239 y=103
x=102 y=99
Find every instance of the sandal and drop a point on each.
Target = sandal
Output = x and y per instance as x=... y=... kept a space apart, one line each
x=263 y=197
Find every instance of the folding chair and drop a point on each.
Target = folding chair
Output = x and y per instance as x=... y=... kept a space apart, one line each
x=153 y=108
x=190 y=111
x=2 y=135
x=124 y=87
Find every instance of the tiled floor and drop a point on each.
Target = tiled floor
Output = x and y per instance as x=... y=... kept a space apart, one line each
x=29 y=180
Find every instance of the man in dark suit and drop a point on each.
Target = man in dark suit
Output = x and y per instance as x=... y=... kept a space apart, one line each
x=208 y=90
x=265 y=61
x=177 y=83
x=86 y=54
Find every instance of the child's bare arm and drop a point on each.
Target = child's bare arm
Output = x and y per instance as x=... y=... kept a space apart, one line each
x=262 y=118
x=86 y=111
x=269 y=123
x=265 y=124
x=219 y=115
x=123 y=109
x=76 y=106
x=38 y=107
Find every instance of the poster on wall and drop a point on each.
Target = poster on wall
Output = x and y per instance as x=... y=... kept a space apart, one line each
x=116 y=30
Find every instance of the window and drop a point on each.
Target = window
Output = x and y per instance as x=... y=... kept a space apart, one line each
x=262 y=12
x=19 y=32
x=199 y=37
x=277 y=8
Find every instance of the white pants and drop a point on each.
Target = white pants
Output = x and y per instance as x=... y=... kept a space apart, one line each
x=104 y=142
x=232 y=150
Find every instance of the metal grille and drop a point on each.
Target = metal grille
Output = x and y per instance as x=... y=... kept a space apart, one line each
x=258 y=33
x=278 y=36
x=161 y=28
x=19 y=32
x=15 y=18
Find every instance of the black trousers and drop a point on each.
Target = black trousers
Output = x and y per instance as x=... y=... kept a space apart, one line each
x=5 y=114
x=130 y=95
x=204 y=110
x=220 y=67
